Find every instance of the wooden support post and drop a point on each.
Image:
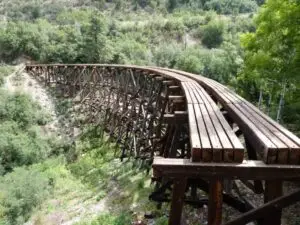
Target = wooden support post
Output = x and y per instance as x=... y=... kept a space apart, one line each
x=177 y=201
x=273 y=190
x=258 y=186
x=215 y=202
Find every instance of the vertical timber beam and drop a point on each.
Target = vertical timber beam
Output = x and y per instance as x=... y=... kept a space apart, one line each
x=215 y=202
x=177 y=201
x=273 y=190
x=258 y=186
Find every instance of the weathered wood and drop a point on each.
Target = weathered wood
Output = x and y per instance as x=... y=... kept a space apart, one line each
x=231 y=144
x=154 y=111
x=194 y=135
x=206 y=148
x=248 y=169
x=177 y=201
x=215 y=202
x=130 y=94
x=258 y=186
x=273 y=190
x=276 y=143
x=176 y=118
x=267 y=209
x=217 y=140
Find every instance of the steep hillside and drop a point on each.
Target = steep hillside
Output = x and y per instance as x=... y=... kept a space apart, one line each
x=33 y=9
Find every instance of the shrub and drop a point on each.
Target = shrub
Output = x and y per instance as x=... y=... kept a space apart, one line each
x=130 y=52
x=192 y=22
x=20 y=139
x=217 y=64
x=21 y=109
x=212 y=34
x=231 y=6
x=18 y=147
x=20 y=192
x=174 y=26
x=4 y=71
x=243 y=25
x=189 y=62
x=166 y=55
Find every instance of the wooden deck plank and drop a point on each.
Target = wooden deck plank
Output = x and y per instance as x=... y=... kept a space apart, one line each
x=222 y=136
x=212 y=109
x=193 y=86
x=284 y=154
x=288 y=138
x=194 y=135
x=193 y=93
x=224 y=92
x=203 y=135
x=236 y=152
x=288 y=142
x=289 y=134
x=213 y=136
x=282 y=142
x=262 y=142
x=187 y=93
x=276 y=141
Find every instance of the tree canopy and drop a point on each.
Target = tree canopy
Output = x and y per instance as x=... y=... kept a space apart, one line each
x=272 y=53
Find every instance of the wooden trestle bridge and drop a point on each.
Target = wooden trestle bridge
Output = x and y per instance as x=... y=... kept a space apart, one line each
x=198 y=133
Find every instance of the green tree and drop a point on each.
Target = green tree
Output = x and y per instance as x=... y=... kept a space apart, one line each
x=212 y=34
x=273 y=51
x=96 y=47
x=172 y=4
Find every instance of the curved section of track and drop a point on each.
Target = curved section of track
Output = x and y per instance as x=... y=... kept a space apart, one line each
x=143 y=109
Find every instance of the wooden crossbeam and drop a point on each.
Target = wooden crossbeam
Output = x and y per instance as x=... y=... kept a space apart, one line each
x=248 y=169
x=267 y=209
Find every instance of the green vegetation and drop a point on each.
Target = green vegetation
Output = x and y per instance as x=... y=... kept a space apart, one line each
x=122 y=219
x=20 y=141
x=86 y=35
x=272 y=58
x=34 y=9
x=231 y=6
x=212 y=34
x=4 y=71
x=21 y=191
x=38 y=170
x=43 y=175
